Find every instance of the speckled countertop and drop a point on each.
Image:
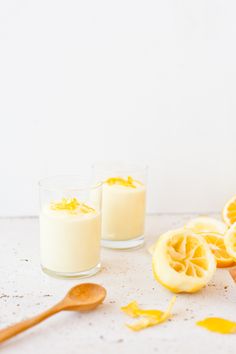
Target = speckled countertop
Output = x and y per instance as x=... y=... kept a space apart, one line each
x=127 y=275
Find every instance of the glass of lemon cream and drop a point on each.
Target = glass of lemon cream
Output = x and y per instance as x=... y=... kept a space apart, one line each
x=123 y=196
x=70 y=227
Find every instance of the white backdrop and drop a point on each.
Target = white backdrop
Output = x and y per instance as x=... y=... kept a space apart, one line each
x=150 y=81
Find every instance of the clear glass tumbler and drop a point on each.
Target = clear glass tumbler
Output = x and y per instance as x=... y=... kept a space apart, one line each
x=123 y=196
x=70 y=227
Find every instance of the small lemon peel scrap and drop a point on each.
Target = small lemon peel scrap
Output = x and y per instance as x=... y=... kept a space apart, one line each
x=219 y=325
x=133 y=310
x=149 y=317
x=71 y=205
x=129 y=182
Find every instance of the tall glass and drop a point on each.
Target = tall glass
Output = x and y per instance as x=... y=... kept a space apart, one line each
x=123 y=198
x=70 y=227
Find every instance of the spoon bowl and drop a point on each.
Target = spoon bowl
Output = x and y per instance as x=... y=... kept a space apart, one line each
x=84 y=297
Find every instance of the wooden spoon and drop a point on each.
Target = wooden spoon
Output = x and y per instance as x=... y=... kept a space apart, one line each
x=83 y=297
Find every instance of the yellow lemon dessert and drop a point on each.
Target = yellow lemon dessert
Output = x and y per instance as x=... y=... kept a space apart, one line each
x=69 y=236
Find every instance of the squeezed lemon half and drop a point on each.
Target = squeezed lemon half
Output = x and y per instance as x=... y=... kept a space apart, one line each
x=216 y=243
x=206 y=224
x=182 y=261
x=230 y=241
x=229 y=212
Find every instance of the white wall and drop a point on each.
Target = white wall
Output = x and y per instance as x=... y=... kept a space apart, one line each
x=151 y=81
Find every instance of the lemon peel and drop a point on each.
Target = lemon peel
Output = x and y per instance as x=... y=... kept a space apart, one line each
x=219 y=325
x=133 y=310
x=129 y=182
x=149 y=317
x=71 y=205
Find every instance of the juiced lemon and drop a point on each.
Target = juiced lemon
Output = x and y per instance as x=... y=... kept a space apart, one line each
x=217 y=246
x=229 y=211
x=206 y=224
x=230 y=241
x=183 y=261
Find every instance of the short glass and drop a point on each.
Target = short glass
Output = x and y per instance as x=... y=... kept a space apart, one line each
x=123 y=198
x=70 y=227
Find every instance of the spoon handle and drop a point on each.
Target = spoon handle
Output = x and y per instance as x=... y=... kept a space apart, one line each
x=17 y=328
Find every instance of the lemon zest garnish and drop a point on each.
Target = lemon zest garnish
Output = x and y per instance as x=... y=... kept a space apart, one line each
x=129 y=182
x=219 y=325
x=149 y=317
x=66 y=204
x=72 y=205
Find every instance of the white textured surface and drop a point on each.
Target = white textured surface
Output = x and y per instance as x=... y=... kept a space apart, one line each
x=127 y=275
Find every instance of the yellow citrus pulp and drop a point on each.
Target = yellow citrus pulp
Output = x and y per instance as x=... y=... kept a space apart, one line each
x=229 y=212
x=217 y=246
x=182 y=261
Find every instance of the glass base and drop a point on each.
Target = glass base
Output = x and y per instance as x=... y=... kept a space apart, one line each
x=124 y=244
x=71 y=275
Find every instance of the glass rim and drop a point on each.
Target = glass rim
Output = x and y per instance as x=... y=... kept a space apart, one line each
x=84 y=184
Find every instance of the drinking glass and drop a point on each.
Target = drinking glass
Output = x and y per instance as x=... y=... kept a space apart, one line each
x=123 y=200
x=70 y=226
